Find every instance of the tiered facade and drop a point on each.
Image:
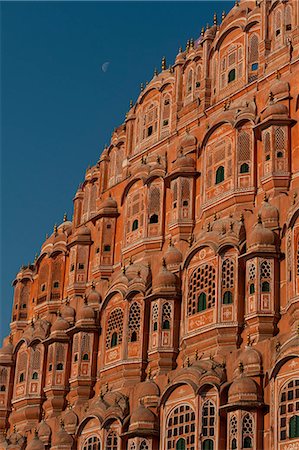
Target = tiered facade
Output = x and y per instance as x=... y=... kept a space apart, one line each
x=166 y=314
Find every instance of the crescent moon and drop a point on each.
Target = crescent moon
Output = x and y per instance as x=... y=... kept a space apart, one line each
x=105 y=66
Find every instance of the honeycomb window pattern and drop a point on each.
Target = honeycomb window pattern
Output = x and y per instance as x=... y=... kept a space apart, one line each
x=115 y=324
x=144 y=446
x=134 y=320
x=265 y=270
x=233 y=430
x=208 y=419
x=112 y=441
x=202 y=280
x=181 y=423
x=166 y=312
x=228 y=275
x=252 y=271
x=92 y=443
x=247 y=431
x=288 y=407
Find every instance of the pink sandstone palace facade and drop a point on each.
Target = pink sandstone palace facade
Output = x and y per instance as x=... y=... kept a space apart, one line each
x=165 y=315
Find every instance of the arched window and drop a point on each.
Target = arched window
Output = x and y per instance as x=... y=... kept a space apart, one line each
x=85 y=357
x=166 y=316
x=289 y=411
x=208 y=444
x=114 y=328
x=227 y=298
x=155 y=315
x=154 y=218
x=35 y=376
x=244 y=168
x=189 y=82
x=202 y=302
x=247 y=431
x=202 y=281
x=233 y=430
x=21 y=377
x=92 y=443
x=135 y=225
x=59 y=366
x=134 y=322
x=277 y=23
x=219 y=175
x=265 y=286
x=144 y=446
x=253 y=52
x=3 y=389
x=231 y=75
x=288 y=18
x=111 y=441
x=294 y=427
x=251 y=288
x=76 y=357
x=114 y=339
x=181 y=444
x=227 y=280
x=208 y=421
x=181 y=421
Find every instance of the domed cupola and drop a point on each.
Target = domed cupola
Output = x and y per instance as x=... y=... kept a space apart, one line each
x=94 y=298
x=180 y=57
x=61 y=439
x=85 y=315
x=65 y=226
x=70 y=420
x=269 y=214
x=250 y=361
x=108 y=207
x=165 y=282
x=16 y=439
x=188 y=143
x=44 y=432
x=35 y=443
x=243 y=390
x=60 y=325
x=104 y=156
x=67 y=312
x=148 y=393
x=6 y=352
x=83 y=231
x=173 y=257
x=183 y=163
x=143 y=418
x=275 y=111
x=261 y=237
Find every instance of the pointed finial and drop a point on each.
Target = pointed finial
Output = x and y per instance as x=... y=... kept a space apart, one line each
x=163 y=262
x=237 y=3
x=130 y=260
x=188 y=361
x=278 y=75
x=215 y=18
x=163 y=64
x=196 y=355
x=155 y=72
x=242 y=217
x=265 y=197
x=35 y=258
x=215 y=217
x=32 y=323
x=124 y=270
x=170 y=242
x=223 y=15
x=62 y=423
x=188 y=46
x=65 y=217
x=107 y=387
x=259 y=218
x=202 y=31
x=241 y=367
x=190 y=240
x=146 y=83
x=191 y=43
x=277 y=346
x=208 y=26
x=55 y=228
x=149 y=374
x=271 y=96
x=141 y=87
x=208 y=227
x=131 y=103
x=93 y=285
x=47 y=236
x=35 y=433
x=180 y=50
x=14 y=428
x=248 y=340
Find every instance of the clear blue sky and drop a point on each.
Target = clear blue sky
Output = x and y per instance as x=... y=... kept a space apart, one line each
x=58 y=108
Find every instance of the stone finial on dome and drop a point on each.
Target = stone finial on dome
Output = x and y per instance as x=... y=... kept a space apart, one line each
x=269 y=213
x=243 y=389
x=86 y=314
x=165 y=280
x=261 y=236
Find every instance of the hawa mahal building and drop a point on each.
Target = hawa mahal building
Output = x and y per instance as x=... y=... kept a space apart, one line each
x=165 y=315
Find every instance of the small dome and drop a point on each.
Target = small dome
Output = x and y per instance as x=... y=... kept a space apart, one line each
x=184 y=162
x=188 y=142
x=67 y=312
x=275 y=109
x=60 y=324
x=35 y=444
x=70 y=418
x=86 y=312
x=261 y=235
x=210 y=33
x=243 y=389
x=93 y=296
x=251 y=358
x=269 y=213
x=109 y=203
x=84 y=231
x=104 y=156
x=147 y=388
x=173 y=256
x=165 y=279
x=15 y=438
x=144 y=417
x=44 y=431
x=7 y=349
x=280 y=87
x=62 y=438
